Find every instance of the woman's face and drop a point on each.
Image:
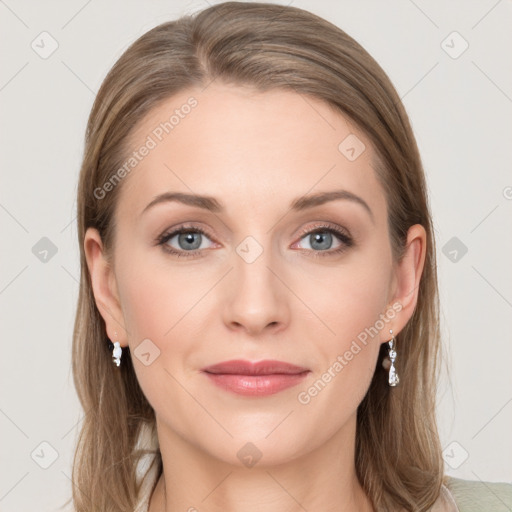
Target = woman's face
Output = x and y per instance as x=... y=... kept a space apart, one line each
x=248 y=282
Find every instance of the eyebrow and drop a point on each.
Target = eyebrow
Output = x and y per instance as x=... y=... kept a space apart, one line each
x=300 y=204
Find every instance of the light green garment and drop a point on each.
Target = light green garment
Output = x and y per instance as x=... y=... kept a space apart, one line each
x=473 y=496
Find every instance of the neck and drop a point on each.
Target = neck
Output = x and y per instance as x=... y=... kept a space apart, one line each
x=323 y=479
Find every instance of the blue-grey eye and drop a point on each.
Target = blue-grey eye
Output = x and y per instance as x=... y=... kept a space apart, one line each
x=189 y=240
x=320 y=240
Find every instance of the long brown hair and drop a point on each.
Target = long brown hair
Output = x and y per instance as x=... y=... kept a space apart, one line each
x=267 y=46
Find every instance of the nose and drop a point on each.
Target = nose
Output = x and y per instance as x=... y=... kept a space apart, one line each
x=256 y=296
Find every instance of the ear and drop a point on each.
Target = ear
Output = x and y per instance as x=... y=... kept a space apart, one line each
x=104 y=287
x=407 y=275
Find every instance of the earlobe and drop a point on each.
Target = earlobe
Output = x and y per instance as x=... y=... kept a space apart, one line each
x=103 y=286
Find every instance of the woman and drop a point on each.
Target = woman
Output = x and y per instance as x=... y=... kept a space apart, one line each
x=257 y=251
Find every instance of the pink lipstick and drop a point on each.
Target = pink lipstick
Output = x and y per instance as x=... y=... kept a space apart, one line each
x=262 y=378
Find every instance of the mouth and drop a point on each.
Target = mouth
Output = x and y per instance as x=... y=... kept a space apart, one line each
x=262 y=378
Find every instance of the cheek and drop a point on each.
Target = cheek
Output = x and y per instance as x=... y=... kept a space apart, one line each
x=353 y=295
x=355 y=333
x=144 y=305
x=355 y=321
x=154 y=294
x=157 y=305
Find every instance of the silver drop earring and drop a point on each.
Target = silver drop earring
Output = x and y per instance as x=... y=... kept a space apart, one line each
x=393 y=379
x=117 y=352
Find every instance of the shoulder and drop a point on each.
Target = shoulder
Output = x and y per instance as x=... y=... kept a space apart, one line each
x=478 y=496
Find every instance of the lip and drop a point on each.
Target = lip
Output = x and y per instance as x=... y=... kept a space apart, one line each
x=260 y=378
x=266 y=367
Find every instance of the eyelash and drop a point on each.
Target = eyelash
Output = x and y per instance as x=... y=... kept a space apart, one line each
x=346 y=240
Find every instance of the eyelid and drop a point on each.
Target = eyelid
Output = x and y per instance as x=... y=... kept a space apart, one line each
x=345 y=238
x=183 y=228
x=327 y=226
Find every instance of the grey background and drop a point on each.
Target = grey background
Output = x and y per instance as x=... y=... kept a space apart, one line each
x=460 y=109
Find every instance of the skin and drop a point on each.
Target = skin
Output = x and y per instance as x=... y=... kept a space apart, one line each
x=255 y=152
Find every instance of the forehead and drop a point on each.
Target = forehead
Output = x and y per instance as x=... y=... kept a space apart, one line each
x=246 y=146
